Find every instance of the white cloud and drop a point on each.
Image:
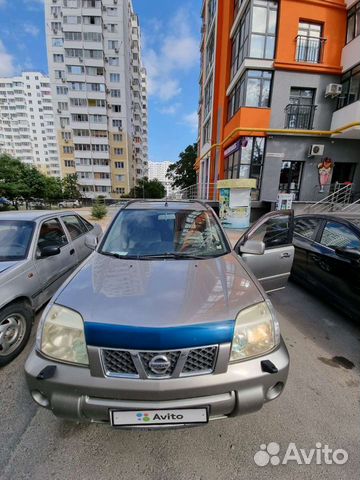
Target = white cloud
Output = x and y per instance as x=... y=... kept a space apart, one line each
x=34 y=4
x=168 y=52
x=170 y=109
x=7 y=67
x=2 y=3
x=191 y=120
x=31 y=29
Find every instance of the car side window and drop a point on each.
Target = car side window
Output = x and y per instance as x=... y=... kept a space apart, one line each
x=89 y=226
x=51 y=234
x=306 y=227
x=337 y=235
x=74 y=226
x=274 y=233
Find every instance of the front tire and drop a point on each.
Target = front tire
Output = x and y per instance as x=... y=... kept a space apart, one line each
x=15 y=326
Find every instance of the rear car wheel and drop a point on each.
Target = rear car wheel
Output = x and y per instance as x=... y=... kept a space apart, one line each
x=15 y=327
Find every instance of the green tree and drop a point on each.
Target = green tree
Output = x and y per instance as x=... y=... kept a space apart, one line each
x=182 y=173
x=13 y=178
x=53 y=189
x=146 y=188
x=71 y=187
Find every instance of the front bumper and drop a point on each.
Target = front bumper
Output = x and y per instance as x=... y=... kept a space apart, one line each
x=75 y=394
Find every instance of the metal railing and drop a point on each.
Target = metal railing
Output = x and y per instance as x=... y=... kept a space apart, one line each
x=352 y=207
x=309 y=49
x=198 y=191
x=300 y=116
x=336 y=201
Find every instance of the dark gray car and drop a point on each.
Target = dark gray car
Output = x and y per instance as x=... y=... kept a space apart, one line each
x=38 y=251
x=166 y=324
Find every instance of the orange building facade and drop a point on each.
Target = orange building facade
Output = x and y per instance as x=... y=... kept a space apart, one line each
x=270 y=83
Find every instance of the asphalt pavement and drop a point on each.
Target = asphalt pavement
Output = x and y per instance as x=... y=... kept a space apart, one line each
x=319 y=407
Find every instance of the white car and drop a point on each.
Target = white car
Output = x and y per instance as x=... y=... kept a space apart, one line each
x=69 y=204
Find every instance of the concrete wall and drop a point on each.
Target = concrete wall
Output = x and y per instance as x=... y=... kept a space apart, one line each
x=282 y=83
x=282 y=148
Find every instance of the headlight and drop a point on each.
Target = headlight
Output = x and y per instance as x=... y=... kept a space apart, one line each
x=61 y=336
x=256 y=332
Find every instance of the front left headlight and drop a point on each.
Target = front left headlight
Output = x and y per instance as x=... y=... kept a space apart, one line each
x=61 y=336
x=257 y=331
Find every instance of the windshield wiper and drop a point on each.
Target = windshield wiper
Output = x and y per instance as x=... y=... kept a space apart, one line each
x=118 y=255
x=176 y=256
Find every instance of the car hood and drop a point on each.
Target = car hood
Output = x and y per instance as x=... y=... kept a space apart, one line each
x=159 y=293
x=6 y=266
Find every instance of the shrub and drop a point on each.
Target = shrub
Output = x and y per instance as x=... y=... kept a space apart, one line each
x=98 y=210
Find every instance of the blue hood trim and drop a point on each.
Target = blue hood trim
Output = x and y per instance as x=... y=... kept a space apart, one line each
x=164 y=338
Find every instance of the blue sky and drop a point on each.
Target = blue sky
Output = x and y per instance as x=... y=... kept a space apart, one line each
x=170 y=37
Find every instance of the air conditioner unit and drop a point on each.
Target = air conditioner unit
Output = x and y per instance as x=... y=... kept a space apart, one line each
x=66 y=140
x=333 y=90
x=106 y=60
x=58 y=110
x=81 y=59
x=119 y=129
x=116 y=50
x=316 y=150
x=55 y=15
x=105 y=27
x=63 y=80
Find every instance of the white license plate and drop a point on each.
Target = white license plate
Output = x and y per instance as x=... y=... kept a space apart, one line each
x=142 y=418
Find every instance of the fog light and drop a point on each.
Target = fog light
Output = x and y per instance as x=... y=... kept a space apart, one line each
x=274 y=391
x=40 y=398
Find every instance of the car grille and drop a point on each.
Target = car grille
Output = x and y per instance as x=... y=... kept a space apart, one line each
x=135 y=364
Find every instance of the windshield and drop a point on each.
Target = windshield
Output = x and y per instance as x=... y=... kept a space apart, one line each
x=180 y=233
x=15 y=237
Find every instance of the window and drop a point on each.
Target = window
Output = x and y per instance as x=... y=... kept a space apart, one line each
x=69 y=163
x=95 y=87
x=117 y=123
x=113 y=61
x=119 y=164
x=112 y=44
x=208 y=96
x=350 y=87
x=75 y=69
x=118 y=151
x=63 y=106
x=98 y=118
x=58 y=58
x=306 y=227
x=59 y=74
x=115 y=93
x=51 y=234
x=96 y=103
x=57 y=42
x=68 y=150
x=263 y=29
x=276 y=232
x=309 y=47
x=206 y=132
x=118 y=137
x=73 y=36
x=301 y=109
x=72 y=20
x=97 y=54
x=240 y=42
x=78 y=102
x=74 y=226
x=111 y=11
x=116 y=108
x=244 y=159
x=290 y=178
x=73 y=52
x=95 y=71
x=353 y=22
x=210 y=51
x=92 y=37
x=71 y=3
x=211 y=11
x=251 y=90
x=337 y=235
x=62 y=90
x=91 y=20
x=120 y=178
x=79 y=117
x=120 y=190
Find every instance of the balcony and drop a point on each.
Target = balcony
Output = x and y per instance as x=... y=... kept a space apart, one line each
x=309 y=49
x=300 y=116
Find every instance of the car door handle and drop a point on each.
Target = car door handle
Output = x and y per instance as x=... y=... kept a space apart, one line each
x=72 y=251
x=285 y=255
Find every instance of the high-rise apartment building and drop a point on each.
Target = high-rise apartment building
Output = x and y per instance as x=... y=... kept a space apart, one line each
x=27 y=129
x=158 y=170
x=277 y=78
x=99 y=92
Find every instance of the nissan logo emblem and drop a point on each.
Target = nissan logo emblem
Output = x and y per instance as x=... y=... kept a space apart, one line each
x=159 y=364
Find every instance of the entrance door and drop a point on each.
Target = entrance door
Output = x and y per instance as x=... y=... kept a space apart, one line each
x=290 y=178
x=343 y=172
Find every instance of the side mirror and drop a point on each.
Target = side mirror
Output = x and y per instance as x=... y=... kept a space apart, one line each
x=349 y=253
x=49 y=251
x=91 y=241
x=253 y=247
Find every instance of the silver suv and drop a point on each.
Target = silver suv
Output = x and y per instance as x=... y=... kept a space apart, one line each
x=166 y=324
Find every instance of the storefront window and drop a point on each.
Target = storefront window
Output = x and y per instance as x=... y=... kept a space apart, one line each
x=244 y=159
x=290 y=178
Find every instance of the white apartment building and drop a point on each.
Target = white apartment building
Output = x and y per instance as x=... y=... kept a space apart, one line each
x=99 y=92
x=158 y=170
x=27 y=129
